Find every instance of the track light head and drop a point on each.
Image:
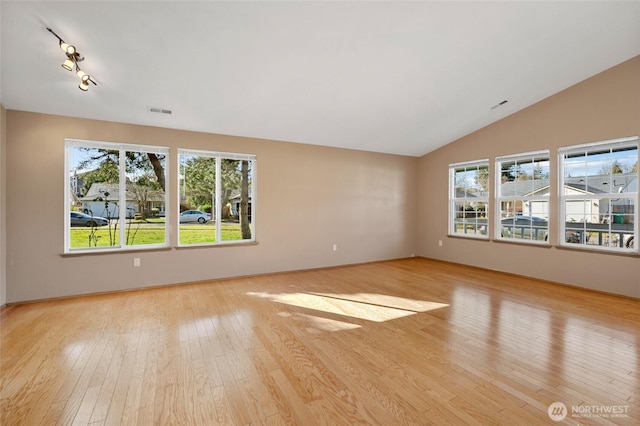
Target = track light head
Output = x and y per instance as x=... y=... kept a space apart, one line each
x=68 y=49
x=85 y=79
x=68 y=64
x=79 y=72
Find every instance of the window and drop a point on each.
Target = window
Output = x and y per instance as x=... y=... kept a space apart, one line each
x=116 y=193
x=599 y=195
x=469 y=199
x=217 y=204
x=522 y=197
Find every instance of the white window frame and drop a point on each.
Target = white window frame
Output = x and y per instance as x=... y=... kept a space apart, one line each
x=522 y=158
x=122 y=205
x=563 y=153
x=453 y=199
x=217 y=207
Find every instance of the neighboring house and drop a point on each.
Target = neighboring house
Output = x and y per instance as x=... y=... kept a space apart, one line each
x=589 y=209
x=234 y=201
x=101 y=200
x=525 y=188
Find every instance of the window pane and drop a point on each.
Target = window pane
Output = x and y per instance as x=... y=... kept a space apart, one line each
x=472 y=181
x=197 y=198
x=523 y=197
x=145 y=198
x=604 y=222
x=236 y=219
x=215 y=197
x=469 y=194
x=529 y=222
x=470 y=218
x=116 y=195
x=600 y=192
x=93 y=210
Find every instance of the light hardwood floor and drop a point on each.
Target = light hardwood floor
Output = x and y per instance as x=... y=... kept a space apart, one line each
x=411 y=341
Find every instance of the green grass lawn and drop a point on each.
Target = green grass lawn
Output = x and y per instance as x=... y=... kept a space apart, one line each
x=149 y=233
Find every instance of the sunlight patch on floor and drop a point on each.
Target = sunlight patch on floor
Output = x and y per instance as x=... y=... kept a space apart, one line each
x=365 y=306
x=327 y=324
x=387 y=301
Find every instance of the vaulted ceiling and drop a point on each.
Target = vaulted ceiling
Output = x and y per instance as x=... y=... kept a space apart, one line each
x=393 y=77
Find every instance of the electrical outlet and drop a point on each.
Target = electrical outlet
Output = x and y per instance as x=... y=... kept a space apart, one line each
x=136 y=261
x=440 y=243
x=335 y=247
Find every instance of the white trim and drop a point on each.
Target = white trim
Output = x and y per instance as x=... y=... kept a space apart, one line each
x=525 y=155
x=469 y=163
x=115 y=146
x=218 y=205
x=612 y=143
x=216 y=154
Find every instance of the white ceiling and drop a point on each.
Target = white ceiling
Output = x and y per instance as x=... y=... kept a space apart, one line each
x=393 y=77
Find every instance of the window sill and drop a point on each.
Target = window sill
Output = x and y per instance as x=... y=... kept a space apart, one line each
x=587 y=249
x=218 y=245
x=106 y=251
x=528 y=243
x=97 y=252
x=469 y=237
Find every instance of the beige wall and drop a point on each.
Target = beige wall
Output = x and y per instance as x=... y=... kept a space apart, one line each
x=3 y=192
x=308 y=198
x=606 y=106
x=373 y=206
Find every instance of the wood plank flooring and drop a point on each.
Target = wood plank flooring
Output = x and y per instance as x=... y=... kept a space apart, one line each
x=411 y=341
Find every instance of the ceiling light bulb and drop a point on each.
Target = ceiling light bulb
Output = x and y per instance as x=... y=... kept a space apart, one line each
x=80 y=73
x=84 y=85
x=68 y=64
x=85 y=77
x=68 y=49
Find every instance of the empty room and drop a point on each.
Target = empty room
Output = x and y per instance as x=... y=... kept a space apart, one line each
x=319 y=213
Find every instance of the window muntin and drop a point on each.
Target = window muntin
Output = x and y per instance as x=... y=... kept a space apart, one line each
x=220 y=185
x=599 y=195
x=522 y=197
x=116 y=192
x=469 y=199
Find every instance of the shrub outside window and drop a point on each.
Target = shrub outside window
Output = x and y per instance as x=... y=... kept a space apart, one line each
x=599 y=195
x=217 y=203
x=469 y=199
x=116 y=193
x=522 y=197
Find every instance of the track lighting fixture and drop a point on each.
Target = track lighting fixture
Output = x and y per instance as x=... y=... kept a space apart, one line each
x=71 y=63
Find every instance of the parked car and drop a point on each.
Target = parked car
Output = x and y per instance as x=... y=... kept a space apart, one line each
x=82 y=219
x=194 y=216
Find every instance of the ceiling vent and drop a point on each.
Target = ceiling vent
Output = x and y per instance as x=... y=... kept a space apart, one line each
x=160 y=110
x=499 y=104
